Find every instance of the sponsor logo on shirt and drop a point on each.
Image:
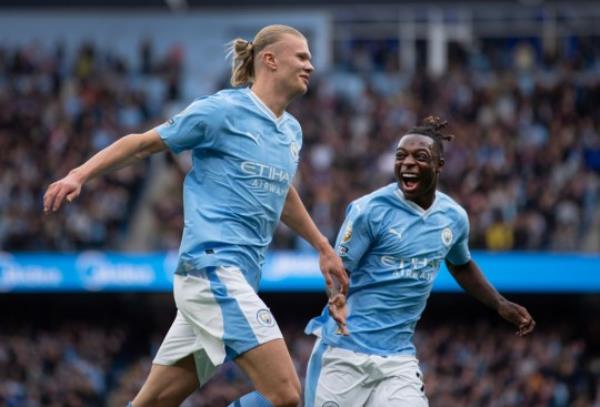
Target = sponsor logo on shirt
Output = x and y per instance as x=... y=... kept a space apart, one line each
x=330 y=404
x=268 y=178
x=418 y=268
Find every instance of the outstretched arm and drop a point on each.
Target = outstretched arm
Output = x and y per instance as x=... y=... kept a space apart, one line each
x=298 y=219
x=121 y=153
x=472 y=280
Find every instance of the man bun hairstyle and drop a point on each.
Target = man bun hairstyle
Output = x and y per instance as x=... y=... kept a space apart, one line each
x=433 y=127
x=243 y=52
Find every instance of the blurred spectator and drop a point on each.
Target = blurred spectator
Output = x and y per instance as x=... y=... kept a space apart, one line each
x=56 y=112
x=465 y=364
x=523 y=163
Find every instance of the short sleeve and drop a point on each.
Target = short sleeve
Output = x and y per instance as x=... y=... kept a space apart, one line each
x=355 y=237
x=459 y=253
x=193 y=127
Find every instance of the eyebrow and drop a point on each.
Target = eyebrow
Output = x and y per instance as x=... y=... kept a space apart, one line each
x=418 y=150
x=304 y=54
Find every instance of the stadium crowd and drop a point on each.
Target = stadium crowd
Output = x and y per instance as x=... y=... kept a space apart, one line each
x=525 y=161
x=80 y=364
x=56 y=110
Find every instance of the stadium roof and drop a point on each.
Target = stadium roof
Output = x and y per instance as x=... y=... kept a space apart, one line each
x=179 y=4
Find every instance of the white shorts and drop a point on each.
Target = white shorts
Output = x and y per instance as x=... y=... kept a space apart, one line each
x=338 y=377
x=219 y=317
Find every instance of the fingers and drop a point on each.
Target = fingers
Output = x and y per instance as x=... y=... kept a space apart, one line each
x=55 y=196
x=526 y=323
x=337 y=310
x=49 y=197
x=526 y=327
x=343 y=277
x=328 y=280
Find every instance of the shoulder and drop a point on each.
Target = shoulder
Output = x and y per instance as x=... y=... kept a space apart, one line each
x=375 y=204
x=214 y=108
x=452 y=208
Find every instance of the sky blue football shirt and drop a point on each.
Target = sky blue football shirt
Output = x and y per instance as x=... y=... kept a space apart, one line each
x=243 y=162
x=392 y=249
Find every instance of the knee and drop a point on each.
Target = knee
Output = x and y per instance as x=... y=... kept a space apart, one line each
x=289 y=398
x=287 y=395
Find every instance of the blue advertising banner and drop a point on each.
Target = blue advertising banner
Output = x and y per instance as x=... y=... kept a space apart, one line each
x=283 y=271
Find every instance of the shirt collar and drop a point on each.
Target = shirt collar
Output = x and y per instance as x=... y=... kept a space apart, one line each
x=413 y=206
x=264 y=108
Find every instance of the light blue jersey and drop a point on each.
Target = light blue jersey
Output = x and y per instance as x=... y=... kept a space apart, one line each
x=244 y=159
x=393 y=250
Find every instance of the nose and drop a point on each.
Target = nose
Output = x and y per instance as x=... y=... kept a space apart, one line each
x=309 y=67
x=408 y=160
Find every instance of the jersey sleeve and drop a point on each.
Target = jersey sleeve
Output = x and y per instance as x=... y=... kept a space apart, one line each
x=355 y=237
x=459 y=253
x=192 y=127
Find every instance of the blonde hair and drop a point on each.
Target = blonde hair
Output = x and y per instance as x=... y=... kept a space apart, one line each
x=243 y=52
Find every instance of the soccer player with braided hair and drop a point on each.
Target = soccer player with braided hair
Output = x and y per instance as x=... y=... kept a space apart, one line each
x=392 y=243
x=245 y=150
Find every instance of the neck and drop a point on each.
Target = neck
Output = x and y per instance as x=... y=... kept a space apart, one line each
x=275 y=100
x=424 y=201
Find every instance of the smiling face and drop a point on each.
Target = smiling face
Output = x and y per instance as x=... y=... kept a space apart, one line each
x=417 y=168
x=291 y=64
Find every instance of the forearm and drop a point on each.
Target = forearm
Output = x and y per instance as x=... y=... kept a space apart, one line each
x=123 y=152
x=472 y=280
x=298 y=219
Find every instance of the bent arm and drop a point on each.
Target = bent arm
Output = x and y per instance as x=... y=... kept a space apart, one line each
x=472 y=280
x=121 y=153
x=298 y=219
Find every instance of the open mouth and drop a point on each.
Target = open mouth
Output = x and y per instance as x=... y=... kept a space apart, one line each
x=304 y=78
x=410 y=182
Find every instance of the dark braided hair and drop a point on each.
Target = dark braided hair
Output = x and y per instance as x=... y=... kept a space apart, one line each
x=432 y=127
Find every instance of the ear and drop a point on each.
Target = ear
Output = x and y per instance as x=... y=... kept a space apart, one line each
x=269 y=60
x=441 y=163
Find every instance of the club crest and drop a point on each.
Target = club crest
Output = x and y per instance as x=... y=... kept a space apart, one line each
x=447 y=236
x=294 y=150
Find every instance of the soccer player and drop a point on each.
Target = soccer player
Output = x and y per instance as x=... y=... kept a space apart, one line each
x=392 y=243
x=245 y=149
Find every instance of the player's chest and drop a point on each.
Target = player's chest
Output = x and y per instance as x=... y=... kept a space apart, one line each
x=264 y=146
x=431 y=235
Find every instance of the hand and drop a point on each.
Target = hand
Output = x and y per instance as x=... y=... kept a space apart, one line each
x=333 y=271
x=67 y=188
x=517 y=315
x=339 y=311
x=336 y=279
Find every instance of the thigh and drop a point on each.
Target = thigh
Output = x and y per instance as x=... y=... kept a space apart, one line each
x=270 y=367
x=182 y=340
x=403 y=386
x=336 y=378
x=219 y=302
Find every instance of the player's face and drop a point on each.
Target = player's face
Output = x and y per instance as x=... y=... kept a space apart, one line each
x=417 y=167
x=293 y=63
